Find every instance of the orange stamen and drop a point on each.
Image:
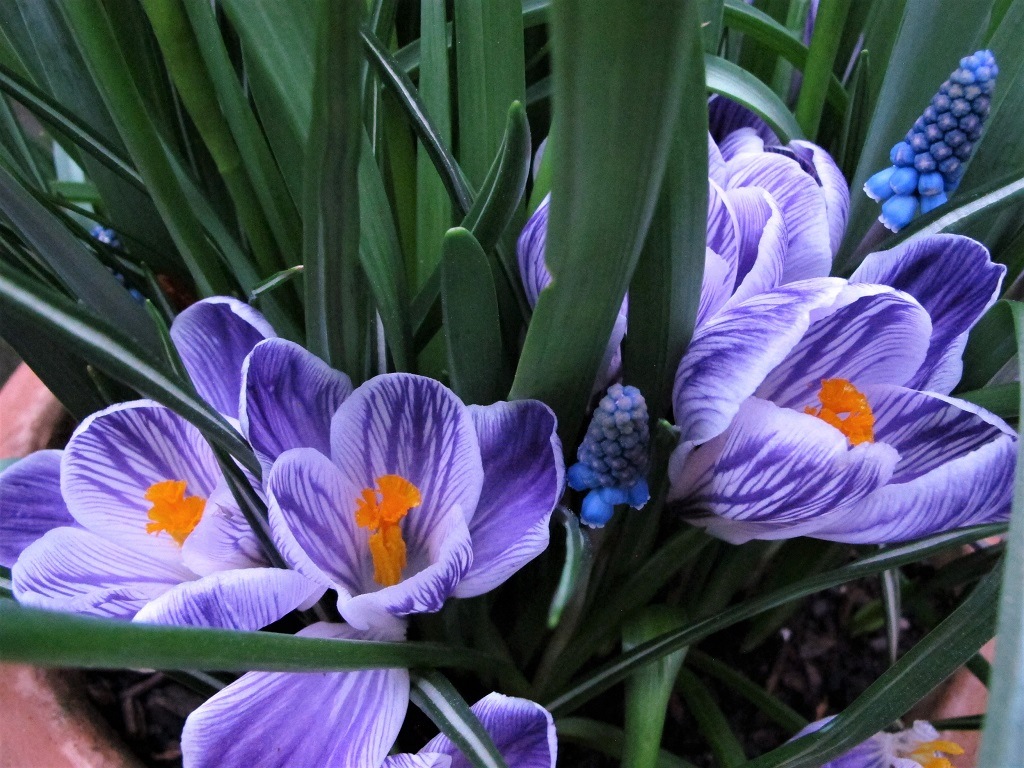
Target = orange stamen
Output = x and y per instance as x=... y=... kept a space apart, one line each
x=172 y=512
x=927 y=753
x=839 y=396
x=381 y=510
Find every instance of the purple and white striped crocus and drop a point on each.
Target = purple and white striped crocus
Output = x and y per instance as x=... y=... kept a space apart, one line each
x=821 y=408
x=775 y=214
x=919 y=746
x=421 y=498
x=278 y=719
x=133 y=519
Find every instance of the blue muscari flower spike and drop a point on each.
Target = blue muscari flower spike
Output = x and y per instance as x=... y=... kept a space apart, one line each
x=614 y=456
x=929 y=163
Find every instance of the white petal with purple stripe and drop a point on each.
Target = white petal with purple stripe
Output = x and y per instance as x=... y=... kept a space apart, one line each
x=289 y=398
x=30 y=503
x=281 y=719
x=213 y=336
x=73 y=570
x=113 y=459
x=523 y=480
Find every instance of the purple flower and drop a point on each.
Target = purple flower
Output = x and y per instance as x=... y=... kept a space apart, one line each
x=820 y=408
x=133 y=519
x=422 y=497
x=256 y=721
x=916 y=747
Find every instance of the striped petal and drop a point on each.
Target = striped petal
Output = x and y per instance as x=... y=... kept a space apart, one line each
x=223 y=540
x=763 y=243
x=73 y=570
x=716 y=286
x=833 y=186
x=289 y=398
x=113 y=459
x=723 y=233
x=523 y=480
x=280 y=719
x=30 y=503
x=726 y=116
x=802 y=204
x=312 y=512
x=421 y=760
x=530 y=252
x=523 y=732
x=246 y=600
x=956 y=469
x=953 y=278
x=879 y=339
x=213 y=336
x=732 y=354
x=775 y=473
x=716 y=164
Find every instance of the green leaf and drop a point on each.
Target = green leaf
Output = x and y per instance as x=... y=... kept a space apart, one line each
x=47 y=638
x=620 y=668
x=649 y=688
x=441 y=702
x=665 y=290
x=335 y=310
x=472 y=331
x=1002 y=400
x=711 y=721
x=266 y=178
x=618 y=80
x=927 y=49
x=790 y=720
x=111 y=351
x=1003 y=737
x=991 y=345
x=145 y=144
x=577 y=555
x=606 y=739
x=433 y=208
x=757 y=25
x=489 y=74
x=731 y=81
x=905 y=683
x=821 y=55
x=275 y=280
x=75 y=267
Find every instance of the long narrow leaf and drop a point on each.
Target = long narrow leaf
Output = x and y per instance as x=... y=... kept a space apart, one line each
x=442 y=703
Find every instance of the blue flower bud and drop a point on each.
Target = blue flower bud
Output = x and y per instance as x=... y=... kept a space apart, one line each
x=898 y=211
x=878 y=187
x=903 y=181
x=929 y=185
x=937 y=146
x=614 y=456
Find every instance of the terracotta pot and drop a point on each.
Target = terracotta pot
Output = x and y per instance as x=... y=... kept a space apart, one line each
x=47 y=719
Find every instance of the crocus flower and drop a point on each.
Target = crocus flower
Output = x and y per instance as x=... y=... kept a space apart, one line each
x=929 y=163
x=916 y=747
x=357 y=717
x=820 y=408
x=133 y=518
x=422 y=497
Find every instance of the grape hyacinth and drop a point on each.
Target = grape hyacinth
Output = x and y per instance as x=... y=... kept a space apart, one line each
x=929 y=163
x=614 y=456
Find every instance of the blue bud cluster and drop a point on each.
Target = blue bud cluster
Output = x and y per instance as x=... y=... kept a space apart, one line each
x=106 y=236
x=929 y=163
x=614 y=456
x=109 y=237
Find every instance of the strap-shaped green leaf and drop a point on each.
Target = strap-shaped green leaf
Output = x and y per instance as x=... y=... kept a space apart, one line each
x=48 y=638
x=618 y=78
x=472 y=331
x=737 y=84
x=1003 y=742
x=438 y=698
x=619 y=668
